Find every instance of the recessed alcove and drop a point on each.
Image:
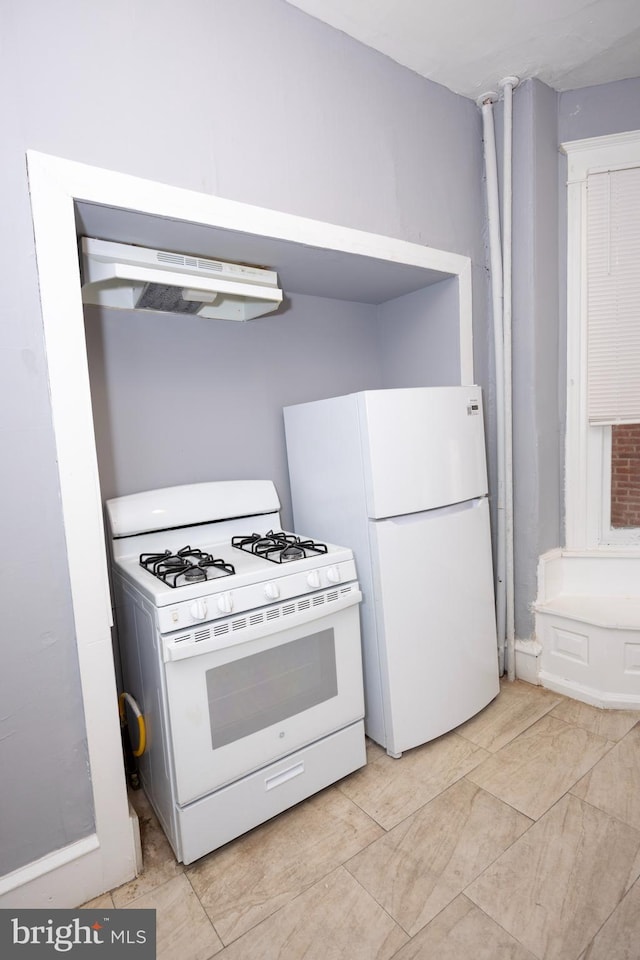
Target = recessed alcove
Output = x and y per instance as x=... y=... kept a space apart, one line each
x=67 y=200
x=180 y=399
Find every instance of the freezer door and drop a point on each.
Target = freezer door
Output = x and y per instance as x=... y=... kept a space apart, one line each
x=423 y=448
x=435 y=609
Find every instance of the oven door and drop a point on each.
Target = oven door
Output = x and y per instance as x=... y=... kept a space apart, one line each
x=237 y=704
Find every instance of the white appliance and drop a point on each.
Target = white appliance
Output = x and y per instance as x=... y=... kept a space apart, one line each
x=400 y=476
x=138 y=278
x=241 y=645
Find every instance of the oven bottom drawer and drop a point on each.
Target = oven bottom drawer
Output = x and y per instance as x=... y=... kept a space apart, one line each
x=212 y=821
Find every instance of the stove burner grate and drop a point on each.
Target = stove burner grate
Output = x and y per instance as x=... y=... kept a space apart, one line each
x=279 y=547
x=188 y=565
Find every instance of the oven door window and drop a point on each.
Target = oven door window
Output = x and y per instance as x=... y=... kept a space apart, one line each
x=252 y=693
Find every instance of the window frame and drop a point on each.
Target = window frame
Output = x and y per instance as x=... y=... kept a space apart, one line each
x=588 y=448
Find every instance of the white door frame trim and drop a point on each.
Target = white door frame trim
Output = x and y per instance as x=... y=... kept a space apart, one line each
x=584 y=489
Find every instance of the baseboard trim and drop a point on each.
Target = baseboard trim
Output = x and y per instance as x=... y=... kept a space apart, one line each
x=527 y=665
x=597 y=698
x=52 y=861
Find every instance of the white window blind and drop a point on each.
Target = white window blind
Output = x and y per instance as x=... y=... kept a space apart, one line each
x=613 y=296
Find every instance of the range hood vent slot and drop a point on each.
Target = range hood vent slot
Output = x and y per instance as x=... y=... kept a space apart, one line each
x=138 y=278
x=191 y=263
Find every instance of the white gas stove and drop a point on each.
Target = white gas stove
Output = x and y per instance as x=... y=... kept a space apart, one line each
x=241 y=644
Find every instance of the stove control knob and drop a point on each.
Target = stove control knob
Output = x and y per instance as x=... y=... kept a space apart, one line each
x=225 y=603
x=199 y=609
x=272 y=591
x=333 y=575
x=314 y=579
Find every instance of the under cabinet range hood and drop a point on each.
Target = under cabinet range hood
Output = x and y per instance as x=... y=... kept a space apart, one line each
x=138 y=278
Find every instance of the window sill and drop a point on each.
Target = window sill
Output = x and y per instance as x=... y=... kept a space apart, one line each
x=616 y=613
x=612 y=572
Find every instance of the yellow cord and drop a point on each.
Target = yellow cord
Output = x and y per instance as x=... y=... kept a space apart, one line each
x=142 y=729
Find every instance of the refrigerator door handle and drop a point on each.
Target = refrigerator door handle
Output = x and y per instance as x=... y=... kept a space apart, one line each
x=410 y=518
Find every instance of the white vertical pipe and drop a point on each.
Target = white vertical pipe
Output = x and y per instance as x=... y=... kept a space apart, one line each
x=508 y=85
x=493 y=216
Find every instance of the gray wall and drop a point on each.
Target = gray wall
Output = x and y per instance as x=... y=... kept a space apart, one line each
x=537 y=366
x=420 y=338
x=191 y=400
x=180 y=401
x=599 y=111
x=248 y=99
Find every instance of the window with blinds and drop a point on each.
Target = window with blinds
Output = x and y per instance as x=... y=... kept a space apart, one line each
x=613 y=296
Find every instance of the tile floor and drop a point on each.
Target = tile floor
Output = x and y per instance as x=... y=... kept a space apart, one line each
x=515 y=837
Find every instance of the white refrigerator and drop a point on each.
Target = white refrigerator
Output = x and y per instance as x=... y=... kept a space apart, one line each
x=400 y=477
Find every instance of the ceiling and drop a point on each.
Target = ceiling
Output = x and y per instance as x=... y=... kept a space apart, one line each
x=469 y=46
